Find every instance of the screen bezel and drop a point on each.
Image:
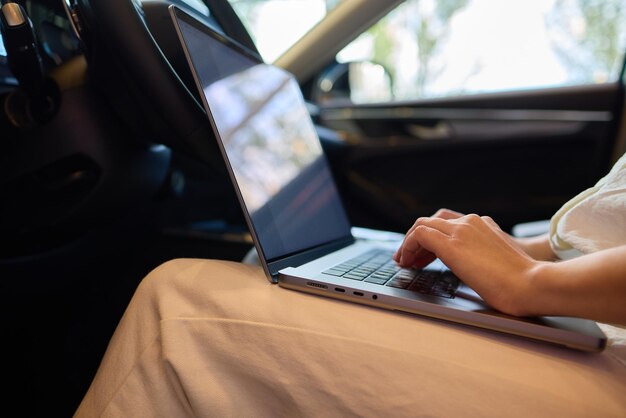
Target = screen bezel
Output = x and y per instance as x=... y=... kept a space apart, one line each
x=274 y=265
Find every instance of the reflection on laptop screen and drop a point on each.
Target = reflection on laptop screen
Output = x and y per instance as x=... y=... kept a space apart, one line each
x=271 y=145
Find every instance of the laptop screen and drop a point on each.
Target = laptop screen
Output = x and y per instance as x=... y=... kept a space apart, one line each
x=270 y=144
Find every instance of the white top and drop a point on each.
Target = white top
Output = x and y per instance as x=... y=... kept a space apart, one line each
x=595 y=219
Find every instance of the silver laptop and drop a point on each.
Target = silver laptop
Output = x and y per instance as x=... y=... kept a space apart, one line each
x=298 y=223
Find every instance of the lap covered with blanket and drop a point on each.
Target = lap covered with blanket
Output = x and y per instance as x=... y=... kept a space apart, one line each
x=214 y=339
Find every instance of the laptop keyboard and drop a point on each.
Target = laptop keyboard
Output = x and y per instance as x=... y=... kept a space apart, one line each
x=377 y=267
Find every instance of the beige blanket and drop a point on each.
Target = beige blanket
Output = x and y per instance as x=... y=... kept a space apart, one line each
x=215 y=339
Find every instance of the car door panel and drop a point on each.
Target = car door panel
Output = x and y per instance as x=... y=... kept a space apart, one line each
x=514 y=156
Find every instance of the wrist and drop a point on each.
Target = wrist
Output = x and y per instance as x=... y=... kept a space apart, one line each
x=519 y=295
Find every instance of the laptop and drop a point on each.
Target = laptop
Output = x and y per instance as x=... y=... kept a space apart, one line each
x=293 y=209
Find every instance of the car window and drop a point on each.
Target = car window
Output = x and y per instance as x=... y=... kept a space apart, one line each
x=197 y=5
x=275 y=25
x=438 y=48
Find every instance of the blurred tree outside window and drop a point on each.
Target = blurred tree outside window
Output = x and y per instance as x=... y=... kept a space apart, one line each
x=438 y=48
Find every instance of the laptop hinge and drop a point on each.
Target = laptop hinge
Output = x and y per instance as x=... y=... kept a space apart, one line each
x=296 y=260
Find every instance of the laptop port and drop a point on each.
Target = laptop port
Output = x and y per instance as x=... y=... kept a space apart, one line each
x=338 y=289
x=319 y=285
x=358 y=293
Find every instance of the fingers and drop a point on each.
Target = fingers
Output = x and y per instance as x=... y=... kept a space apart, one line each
x=443 y=225
x=442 y=213
x=421 y=246
x=418 y=249
x=447 y=214
x=440 y=224
x=489 y=221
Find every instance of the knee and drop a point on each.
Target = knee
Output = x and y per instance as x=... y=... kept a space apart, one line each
x=162 y=279
x=184 y=287
x=180 y=277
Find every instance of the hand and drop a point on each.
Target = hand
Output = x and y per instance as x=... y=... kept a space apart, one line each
x=478 y=252
x=415 y=255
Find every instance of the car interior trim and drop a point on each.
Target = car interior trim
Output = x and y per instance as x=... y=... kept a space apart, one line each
x=324 y=36
x=72 y=16
x=13 y=14
x=466 y=114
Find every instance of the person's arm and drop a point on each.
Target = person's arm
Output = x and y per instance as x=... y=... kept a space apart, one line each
x=507 y=278
x=591 y=286
x=537 y=247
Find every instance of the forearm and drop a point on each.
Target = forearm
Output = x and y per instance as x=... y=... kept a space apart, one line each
x=537 y=247
x=592 y=286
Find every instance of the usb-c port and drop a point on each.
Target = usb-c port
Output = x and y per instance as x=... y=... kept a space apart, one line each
x=338 y=289
x=358 y=294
